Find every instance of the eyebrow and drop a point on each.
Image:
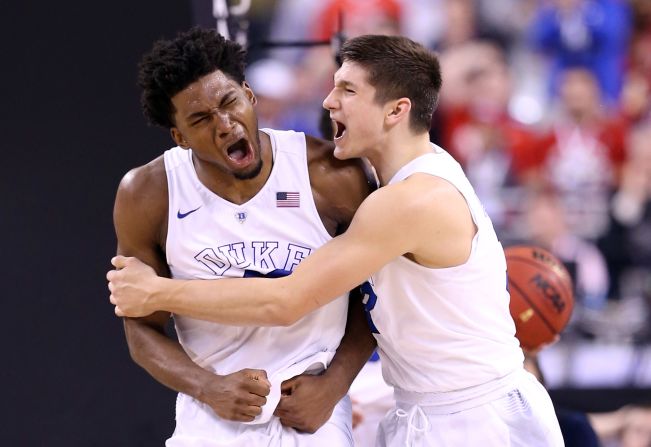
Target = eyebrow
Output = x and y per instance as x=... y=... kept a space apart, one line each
x=196 y=115
x=344 y=84
x=200 y=113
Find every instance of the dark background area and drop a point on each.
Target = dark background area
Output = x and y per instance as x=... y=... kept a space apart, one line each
x=71 y=127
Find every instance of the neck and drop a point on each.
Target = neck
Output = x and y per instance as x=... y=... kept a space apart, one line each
x=398 y=150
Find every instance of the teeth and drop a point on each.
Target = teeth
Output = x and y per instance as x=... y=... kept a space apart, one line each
x=340 y=130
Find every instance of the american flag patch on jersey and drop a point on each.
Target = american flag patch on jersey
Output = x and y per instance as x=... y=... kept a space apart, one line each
x=288 y=200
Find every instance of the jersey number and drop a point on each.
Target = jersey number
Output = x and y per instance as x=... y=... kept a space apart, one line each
x=369 y=298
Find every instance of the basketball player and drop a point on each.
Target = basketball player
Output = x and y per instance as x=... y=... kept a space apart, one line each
x=437 y=290
x=230 y=201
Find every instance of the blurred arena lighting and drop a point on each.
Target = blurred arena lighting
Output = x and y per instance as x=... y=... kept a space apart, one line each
x=270 y=78
x=526 y=109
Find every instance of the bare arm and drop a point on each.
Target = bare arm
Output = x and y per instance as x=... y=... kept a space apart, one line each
x=162 y=357
x=138 y=232
x=355 y=349
x=424 y=216
x=307 y=402
x=140 y=210
x=330 y=271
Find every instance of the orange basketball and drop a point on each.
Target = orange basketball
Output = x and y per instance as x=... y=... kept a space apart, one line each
x=542 y=295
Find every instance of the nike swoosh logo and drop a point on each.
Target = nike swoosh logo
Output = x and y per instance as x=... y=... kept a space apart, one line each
x=181 y=215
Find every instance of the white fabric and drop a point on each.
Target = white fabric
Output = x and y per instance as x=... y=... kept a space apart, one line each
x=372 y=398
x=447 y=344
x=211 y=238
x=314 y=364
x=198 y=426
x=521 y=415
x=446 y=329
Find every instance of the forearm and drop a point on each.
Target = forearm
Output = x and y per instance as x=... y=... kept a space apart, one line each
x=164 y=359
x=250 y=301
x=326 y=274
x=356 y=347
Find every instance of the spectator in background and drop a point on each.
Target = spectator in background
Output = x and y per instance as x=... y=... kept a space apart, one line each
x=547 y=227
x=635 y=101
x=475 y=124
x=591 y=33
x=509 y=18
x=358 y=17
x=640 y=51
x=627 y=243
x=443 y=24
x=581 y=157
x=462 y=23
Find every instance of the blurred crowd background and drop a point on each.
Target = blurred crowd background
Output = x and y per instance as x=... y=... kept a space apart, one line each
x=547 y=105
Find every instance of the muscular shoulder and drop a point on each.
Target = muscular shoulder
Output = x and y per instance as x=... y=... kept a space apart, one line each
x=426 y=215
x=338 y=186
x=426 y=197
x=141 y=203
x=146 y=185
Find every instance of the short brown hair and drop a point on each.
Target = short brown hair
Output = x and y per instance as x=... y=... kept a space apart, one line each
x=399 y=67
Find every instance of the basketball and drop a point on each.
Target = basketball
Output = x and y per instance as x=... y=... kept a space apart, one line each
x=541 y=292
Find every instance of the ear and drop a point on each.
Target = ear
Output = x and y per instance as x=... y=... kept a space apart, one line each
x=398 y=110
x=249 y=93
x=178 y=138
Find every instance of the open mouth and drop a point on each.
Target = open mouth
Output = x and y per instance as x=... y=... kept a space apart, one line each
x=340 y=130
x=240 y=151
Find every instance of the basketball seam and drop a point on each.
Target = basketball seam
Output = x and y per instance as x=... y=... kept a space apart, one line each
x=559 y=282
x=533 y=306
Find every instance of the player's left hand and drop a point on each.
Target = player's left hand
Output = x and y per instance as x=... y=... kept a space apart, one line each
x=131 y=285
x=306 y=402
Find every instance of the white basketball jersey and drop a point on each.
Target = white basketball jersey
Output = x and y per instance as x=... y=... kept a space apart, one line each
x=211 y=238
x=450 y=328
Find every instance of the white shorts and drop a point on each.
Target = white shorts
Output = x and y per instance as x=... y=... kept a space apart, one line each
x=198 y=426
x=372 y=398
x=518 y=413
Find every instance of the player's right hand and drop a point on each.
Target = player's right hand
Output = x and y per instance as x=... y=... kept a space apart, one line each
x=239 y=396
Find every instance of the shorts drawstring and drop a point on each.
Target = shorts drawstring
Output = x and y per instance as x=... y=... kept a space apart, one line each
x=415 y=415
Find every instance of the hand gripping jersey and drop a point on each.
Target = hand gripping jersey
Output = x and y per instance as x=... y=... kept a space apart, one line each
x=450 y=328
x=211 y=238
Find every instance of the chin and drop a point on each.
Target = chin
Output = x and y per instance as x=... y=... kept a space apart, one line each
x=250 y=173
x=341 y=154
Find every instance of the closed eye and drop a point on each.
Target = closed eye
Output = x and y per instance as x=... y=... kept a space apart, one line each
x=228 y=100
x=200 y=120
